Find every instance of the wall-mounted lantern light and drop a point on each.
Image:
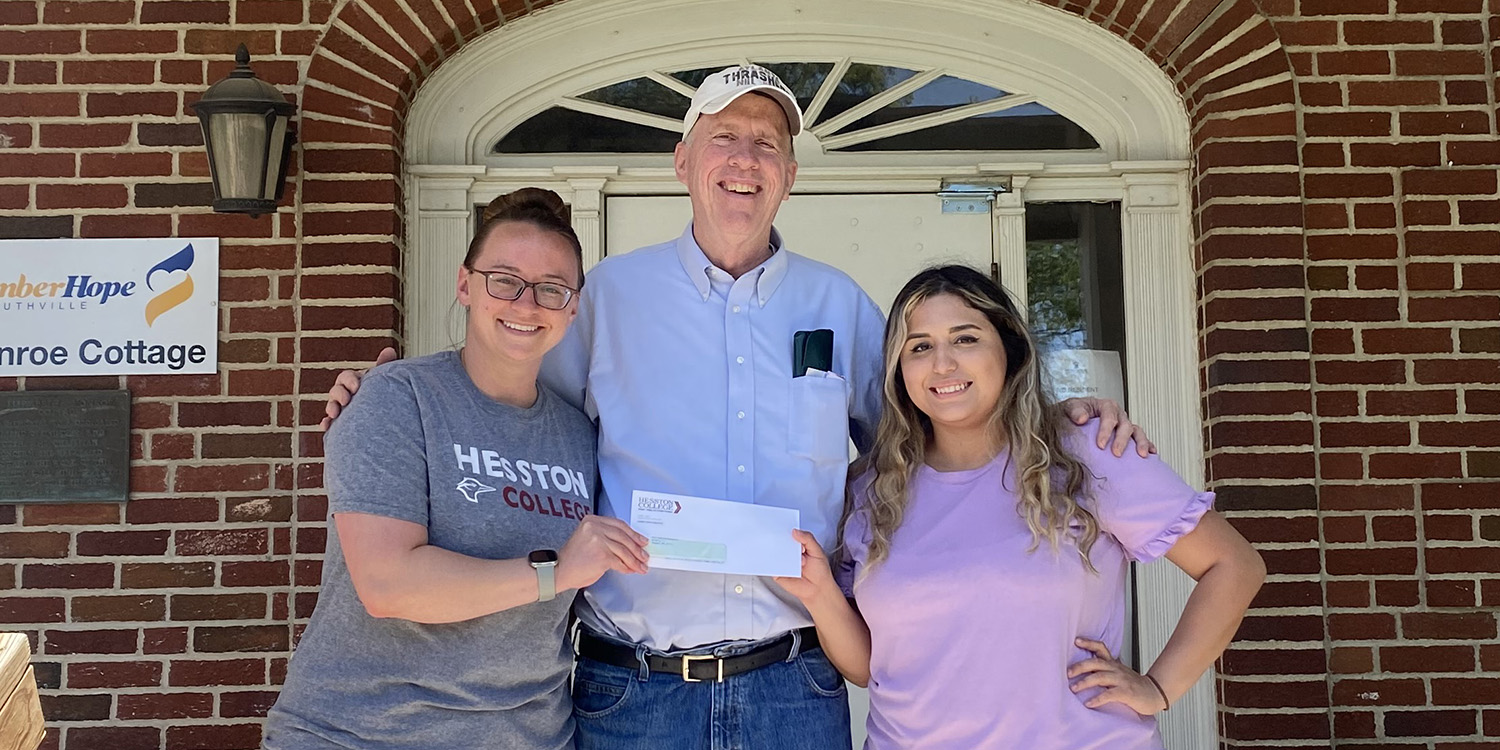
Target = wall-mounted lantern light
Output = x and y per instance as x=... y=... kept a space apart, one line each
x=247 y=129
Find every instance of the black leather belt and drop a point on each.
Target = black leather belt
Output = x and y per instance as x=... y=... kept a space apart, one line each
x=694 y=667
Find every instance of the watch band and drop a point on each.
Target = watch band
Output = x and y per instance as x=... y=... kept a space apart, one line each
x=546 y=581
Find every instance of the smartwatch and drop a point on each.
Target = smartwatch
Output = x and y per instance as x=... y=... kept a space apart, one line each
x=545 y=563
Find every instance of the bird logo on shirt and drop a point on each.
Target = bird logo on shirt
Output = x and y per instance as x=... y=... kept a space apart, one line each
x=473 y=488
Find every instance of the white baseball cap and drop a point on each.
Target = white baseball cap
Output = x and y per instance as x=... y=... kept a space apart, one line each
x=723 y=87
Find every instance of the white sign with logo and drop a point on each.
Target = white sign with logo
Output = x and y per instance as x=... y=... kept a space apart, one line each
x=109 y=307
x=1077 y=373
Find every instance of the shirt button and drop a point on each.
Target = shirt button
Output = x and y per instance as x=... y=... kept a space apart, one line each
x=738 y=589
x=741 y=467
x=736 y=308
x=739 y=360
x=741 y=415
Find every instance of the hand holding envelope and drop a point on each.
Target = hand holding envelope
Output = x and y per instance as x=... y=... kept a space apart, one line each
x=717 y=536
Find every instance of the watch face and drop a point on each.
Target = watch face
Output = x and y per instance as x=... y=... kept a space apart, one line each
x=543 y=556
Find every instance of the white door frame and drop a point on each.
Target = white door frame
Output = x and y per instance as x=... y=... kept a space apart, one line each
x=1076 y=68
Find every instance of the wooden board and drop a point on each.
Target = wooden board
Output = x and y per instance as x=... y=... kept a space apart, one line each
x=21 y=712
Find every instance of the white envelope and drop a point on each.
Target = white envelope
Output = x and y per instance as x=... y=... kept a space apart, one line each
x=717 y=536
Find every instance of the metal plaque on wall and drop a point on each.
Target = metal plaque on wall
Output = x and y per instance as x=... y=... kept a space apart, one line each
x=64 y=446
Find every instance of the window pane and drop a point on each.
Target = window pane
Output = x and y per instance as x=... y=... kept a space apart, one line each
x=804 y=79
x=1074 y=287
x=560 y=130
x=1035 y=128
x=860 y=82
x=944 y=93
x=642 y=94
x=696 y=76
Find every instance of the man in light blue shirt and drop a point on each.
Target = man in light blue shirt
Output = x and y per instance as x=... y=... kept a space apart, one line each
x=683 y=353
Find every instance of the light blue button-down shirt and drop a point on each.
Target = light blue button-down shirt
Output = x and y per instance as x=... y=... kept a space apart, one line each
x=689 y=374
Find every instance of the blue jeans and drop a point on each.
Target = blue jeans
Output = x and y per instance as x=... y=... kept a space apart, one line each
x=797 y=704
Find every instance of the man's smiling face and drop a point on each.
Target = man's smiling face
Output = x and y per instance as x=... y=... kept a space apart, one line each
x=738 y=167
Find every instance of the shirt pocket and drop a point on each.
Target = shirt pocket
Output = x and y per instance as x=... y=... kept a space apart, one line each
x=819 y=420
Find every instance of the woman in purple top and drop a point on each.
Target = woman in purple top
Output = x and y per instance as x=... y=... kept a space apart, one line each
x=980 y=586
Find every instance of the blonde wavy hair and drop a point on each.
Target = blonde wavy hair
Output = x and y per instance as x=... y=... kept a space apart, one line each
x=1055 y=489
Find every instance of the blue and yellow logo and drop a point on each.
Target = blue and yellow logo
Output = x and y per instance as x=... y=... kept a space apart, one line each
x=174 y=295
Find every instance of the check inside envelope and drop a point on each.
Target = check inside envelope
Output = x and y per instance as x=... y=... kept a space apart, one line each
x=687 y=549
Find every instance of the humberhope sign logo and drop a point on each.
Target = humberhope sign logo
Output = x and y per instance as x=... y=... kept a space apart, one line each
x=170 y=296
x=108 y=307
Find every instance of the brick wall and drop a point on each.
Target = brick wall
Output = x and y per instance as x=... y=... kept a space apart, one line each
x=1348 y=254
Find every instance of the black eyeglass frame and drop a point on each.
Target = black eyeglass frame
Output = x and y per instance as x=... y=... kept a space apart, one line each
x=570 y=292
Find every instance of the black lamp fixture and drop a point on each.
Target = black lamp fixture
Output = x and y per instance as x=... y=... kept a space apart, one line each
x=247 y=129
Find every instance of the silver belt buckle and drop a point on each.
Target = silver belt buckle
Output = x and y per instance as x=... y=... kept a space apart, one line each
x=688 y=659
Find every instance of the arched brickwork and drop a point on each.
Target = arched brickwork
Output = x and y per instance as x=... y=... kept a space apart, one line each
x=1234 y=76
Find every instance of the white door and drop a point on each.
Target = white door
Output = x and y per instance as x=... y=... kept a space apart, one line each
x=879 y=240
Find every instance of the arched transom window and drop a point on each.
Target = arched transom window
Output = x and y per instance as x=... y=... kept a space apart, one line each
x=850 y=106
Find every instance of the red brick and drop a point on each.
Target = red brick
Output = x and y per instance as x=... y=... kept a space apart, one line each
x=1411 y=402
x=165 y=706
x=113 y=675
x=218 y=606
x=92 y=135
x=226 y=41
x=165 y=576
x=91 y=641
x=1388 y=32
x=33 y=544
x=1415 y=465
x=68 y=576
x=1462 y=560
x=118 y=608
x=1407 y=340
x=163 y=103
x=38 y=165
x=1465 y=692
x=122 y=543
x=114 y=738
x=1479 y=212
x=139 y=164
x=1467 y=122
x=216 y=673
x=1413 y=62
x=222 y=542
x=1447 y=626
x=267 y=11
x=31 y=609
x=185 y=11
x=1379 y=692
x=246 y=704
x=129 y=41
x=1353 y=63
x=81 y=196
x=40 y=42
x=1360 y=372
x=1374 y=216
x=1448 y=181
x=1384 y=561
x=1418 y=213
x=214 y=737
x=224 y=414
x=1432 y=309
x=63 y=13
x=109 y=71
x=71 y=513
x=1394 y=528
x=1364 y=434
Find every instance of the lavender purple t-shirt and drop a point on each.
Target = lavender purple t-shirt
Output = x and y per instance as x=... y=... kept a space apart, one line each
x=972 y=636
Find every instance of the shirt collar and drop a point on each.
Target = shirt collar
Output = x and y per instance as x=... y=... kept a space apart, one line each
x=768 y=275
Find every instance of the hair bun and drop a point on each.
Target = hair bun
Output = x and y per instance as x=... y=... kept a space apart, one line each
x=525 y=204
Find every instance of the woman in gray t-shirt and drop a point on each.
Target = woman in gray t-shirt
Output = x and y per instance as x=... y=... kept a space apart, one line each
x=462 y=497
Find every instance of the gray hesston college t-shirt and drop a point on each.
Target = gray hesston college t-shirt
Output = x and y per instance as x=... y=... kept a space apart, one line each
x=421 y=443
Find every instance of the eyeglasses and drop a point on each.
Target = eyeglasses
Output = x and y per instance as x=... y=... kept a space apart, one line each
x=509 y=287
